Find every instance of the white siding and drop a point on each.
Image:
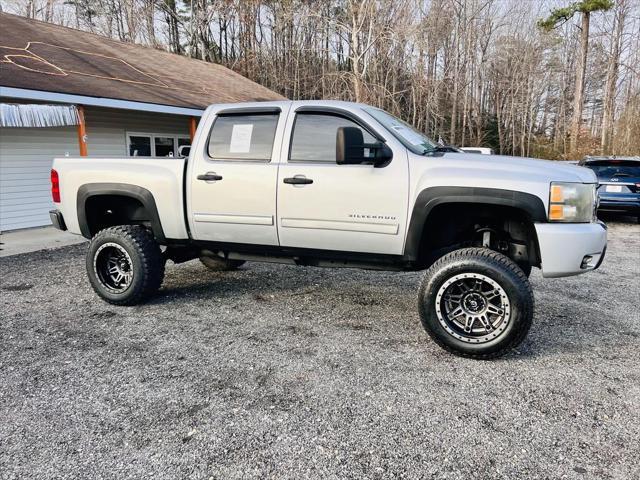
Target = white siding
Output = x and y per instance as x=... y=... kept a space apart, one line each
x=106 y=128
x=26 y=155
x=25 y=168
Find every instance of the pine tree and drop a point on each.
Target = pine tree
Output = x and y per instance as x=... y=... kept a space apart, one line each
x=559 y=17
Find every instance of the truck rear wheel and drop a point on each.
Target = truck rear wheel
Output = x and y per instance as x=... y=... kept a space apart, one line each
x=221 y=264
x=475 y=302
x=125 y=264
x=526 y=268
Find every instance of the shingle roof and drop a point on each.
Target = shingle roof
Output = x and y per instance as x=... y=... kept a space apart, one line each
x=41 y=56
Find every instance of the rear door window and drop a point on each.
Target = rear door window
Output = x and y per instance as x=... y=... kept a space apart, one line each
x=243 y=137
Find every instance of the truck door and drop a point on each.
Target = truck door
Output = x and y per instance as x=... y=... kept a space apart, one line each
x=323 y=205
x=233 y=179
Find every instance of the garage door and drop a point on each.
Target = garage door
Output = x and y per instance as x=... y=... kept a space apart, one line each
x=25 y=165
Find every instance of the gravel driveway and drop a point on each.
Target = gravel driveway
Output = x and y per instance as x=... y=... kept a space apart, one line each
x=288 y=372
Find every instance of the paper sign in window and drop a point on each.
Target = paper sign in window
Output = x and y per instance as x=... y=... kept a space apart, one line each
x=241 y=138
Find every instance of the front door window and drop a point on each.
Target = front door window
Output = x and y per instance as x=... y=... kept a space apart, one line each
x=314 y=137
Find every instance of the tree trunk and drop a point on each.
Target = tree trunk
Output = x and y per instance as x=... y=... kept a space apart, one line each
x=171 y=17
x=355 y=56
x=578 y=99
x=150 y=11
x=612 y=79
x=48 y=13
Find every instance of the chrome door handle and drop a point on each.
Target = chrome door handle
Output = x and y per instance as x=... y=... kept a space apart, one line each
x=298 y=180
x=209 y=177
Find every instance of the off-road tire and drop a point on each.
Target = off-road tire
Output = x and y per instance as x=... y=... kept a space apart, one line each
x=221 y=264
x=147 y=263
x=526 y=268
x=498 y=268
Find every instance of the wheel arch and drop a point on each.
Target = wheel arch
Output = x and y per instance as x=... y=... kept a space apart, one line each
x=138 y=199
x=428 y=199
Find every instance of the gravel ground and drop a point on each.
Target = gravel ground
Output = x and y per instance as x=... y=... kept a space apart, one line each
x=290 y=372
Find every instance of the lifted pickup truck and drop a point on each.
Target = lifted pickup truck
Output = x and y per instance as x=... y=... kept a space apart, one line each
x=336 y=184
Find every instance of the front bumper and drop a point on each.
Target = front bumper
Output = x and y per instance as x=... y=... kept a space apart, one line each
x=565 y=248
x=57 y=219
x=620 y=203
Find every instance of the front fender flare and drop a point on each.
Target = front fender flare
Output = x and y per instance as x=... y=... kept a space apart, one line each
x=431 y=197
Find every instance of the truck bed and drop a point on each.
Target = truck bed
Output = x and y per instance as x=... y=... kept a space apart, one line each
x=162 y=177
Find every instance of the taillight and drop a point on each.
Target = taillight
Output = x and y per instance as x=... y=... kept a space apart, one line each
x=55 y=186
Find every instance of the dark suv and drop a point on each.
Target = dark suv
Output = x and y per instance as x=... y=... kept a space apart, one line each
x=619 y=183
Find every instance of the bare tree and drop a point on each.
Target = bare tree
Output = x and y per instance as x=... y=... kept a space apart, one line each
x=613 y=66
x=562 y=15
x=475 y=72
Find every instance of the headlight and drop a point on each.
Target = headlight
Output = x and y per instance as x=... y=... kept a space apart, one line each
x=572 y=202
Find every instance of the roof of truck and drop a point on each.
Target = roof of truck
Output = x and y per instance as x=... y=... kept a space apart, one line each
x=295 y=103
x=44 y=57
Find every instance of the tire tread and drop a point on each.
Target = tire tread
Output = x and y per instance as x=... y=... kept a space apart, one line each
x=501 y=261
x=150 y=258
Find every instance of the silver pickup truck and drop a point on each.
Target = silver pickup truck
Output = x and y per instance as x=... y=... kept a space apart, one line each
x=336 y=184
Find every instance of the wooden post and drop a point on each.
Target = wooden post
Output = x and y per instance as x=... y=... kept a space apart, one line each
x=82 y=132
x=193 y=124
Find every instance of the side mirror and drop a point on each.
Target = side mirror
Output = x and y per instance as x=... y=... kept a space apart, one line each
x=350 y=149
x=184 y=150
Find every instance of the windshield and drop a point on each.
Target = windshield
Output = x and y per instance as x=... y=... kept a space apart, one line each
x=614 y=168
x=408 y=136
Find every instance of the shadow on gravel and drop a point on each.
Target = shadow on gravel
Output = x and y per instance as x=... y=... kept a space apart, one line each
x=558 y=328
x=222 y=287
x=360 y=288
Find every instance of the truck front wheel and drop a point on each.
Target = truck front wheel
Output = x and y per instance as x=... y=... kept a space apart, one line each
x=475 y=302
x=125 y=264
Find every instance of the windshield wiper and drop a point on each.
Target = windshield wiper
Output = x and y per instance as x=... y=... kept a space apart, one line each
x=441 y=149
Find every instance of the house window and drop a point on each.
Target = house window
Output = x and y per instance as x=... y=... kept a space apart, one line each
x=165 y=146
x=155 y=145
x=139 y=146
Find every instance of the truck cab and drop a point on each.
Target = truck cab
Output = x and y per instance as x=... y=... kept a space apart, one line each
x=282 y=186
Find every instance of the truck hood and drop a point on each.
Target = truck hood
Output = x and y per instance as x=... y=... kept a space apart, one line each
x=521 y=166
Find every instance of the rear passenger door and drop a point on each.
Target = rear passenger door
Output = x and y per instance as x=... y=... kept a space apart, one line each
x=233 y=180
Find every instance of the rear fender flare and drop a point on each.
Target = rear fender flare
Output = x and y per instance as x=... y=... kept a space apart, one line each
x=144 y=196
